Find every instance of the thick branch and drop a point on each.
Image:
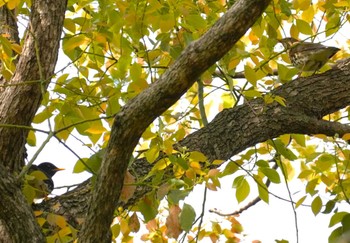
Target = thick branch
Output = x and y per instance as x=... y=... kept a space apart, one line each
x=137 y=115
x=307 y=100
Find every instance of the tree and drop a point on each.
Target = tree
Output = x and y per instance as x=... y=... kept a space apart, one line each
x=135 y=63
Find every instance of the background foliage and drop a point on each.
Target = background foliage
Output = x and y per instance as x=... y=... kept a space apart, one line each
x=113 y=50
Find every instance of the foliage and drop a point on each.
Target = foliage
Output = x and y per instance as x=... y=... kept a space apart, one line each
x=116 y=49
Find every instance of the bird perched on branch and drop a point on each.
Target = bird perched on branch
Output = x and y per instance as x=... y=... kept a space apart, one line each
x=307 y=56
x=41 y=179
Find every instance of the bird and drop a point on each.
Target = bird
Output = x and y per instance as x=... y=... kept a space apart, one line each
x=41 y=180
x=307 y=56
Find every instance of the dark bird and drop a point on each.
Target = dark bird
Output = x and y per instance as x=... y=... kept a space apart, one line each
x=307 y=56
x=42 y=181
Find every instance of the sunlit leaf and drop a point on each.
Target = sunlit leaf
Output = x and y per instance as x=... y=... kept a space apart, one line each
x=300 y=201
x=271 y=174
x=242 y=188
x=316 y=205
x=250 y=75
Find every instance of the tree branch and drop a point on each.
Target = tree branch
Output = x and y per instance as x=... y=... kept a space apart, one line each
x=138 y=114
x=236 y=129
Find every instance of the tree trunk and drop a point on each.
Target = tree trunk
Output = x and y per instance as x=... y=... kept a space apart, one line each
x=20 y=100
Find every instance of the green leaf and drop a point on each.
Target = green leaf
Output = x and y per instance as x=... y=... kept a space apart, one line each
x=286 y=73
x=175 y=196
x=300 y=201
x=325 y=162
x=311 y=185
x=335 y=235
x=262 y=189
x=252 y=93
x=230 y=168
x=115 y=230
x=31 y=139
x=242 y=188
x=250 y=75
x=281 y=149
x=135 y=71
x=316 y=205
x=198 y=156
x=196 y=21
x=187 y=217
x=346 y=223
x=148 y=208
x=303 y=27
x=337 y=218
x=271 y=174
x=329 y=207
x=179 y=161
x=305 y=174
x=152 y=154
x=93 y=163
x=73 y=42
x=299 y=139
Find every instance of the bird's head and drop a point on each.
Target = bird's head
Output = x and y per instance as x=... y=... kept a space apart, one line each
x=288 y=42
x=49 y=169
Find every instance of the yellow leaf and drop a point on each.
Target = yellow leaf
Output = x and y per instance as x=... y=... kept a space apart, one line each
x=198 y=156
x=152 y=154
x=309 y=14
x=294 y=32
x=55 y=219
x=96 y=129
x=218 y=162
x=12 y=4
x=342 y=4
x=303 y=4
x=195 y=165
x=250 y=75
x=75 y=41
x=346 y=136
x=17 y=48
x=321 y=136
x=41 y=221
x=31 y=139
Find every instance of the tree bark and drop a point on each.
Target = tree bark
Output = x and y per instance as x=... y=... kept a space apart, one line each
x=136 y=115
x=307 y=101
x=36 y=64
x=19 y=103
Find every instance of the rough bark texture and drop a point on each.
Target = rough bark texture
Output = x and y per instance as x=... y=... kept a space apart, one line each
x=17 y=220
x=307 y=101
x=19 y=103
x=136 y=116
x=37 y=62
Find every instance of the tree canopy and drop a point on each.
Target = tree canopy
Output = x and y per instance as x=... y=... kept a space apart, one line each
x=169 y=95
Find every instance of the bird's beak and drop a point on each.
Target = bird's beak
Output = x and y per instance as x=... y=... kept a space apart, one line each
x=58 y=169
